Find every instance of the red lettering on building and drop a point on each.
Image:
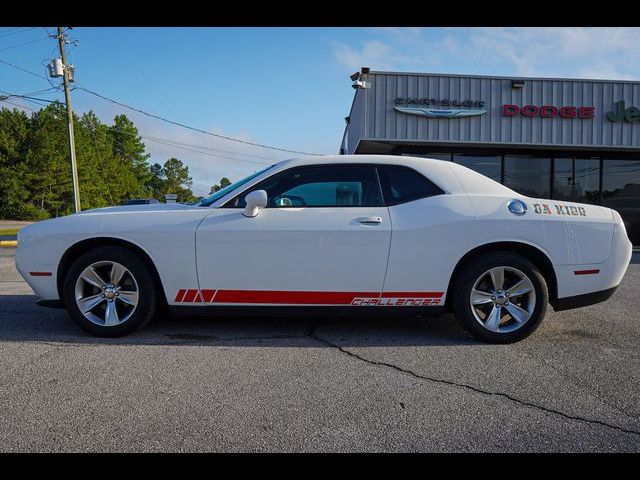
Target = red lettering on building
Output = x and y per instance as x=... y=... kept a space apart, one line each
x=586 y=112
x=510 y=110
x=548 y=111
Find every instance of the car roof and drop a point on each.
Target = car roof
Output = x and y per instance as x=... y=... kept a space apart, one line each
x=450 y=176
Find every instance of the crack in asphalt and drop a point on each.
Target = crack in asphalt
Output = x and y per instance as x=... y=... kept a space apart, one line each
x=312 y=334
x=467 y=387
x=590 y=389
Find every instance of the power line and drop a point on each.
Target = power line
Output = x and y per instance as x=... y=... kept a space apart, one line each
x=164 y=141
x=39 y=103
x=204 y=153
x=24 y=70
x=23 y=44
x=30 y=98
x=145 y=80
x=190 y=127
x=18 y=105
x=165 y=119
x=43 y=91
x=17 y=30
x=177 y=143
x=13 y=29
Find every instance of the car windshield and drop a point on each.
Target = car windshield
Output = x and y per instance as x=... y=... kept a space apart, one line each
x=205 y=202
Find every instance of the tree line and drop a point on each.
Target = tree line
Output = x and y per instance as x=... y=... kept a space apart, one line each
x=113 y=166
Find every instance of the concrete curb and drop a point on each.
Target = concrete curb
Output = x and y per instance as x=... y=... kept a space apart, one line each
x=8 y=243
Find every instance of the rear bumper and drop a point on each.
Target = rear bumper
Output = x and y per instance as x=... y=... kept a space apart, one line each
x=585 y=284
x=583 y=300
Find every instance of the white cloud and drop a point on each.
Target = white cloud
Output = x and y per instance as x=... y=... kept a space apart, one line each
x=557 y=51
x=371 y=53
x=401 y=34
x=592 y=52
x=602 y=71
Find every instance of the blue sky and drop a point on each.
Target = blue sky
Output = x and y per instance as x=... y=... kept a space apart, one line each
x=287 y=87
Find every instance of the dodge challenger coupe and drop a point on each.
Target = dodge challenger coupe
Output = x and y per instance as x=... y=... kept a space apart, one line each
x=361 y=233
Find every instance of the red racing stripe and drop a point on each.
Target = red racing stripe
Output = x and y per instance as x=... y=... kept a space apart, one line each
x=412 y=294
x=207 y=295
x=180 y=295
x=190 y=295
x=193 y=295
x=290 y=298
x=309 y=298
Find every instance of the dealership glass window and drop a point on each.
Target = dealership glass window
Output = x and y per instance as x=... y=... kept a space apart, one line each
x=621 y=191
x=528 y=175
x=489 y=166
x=577 y=180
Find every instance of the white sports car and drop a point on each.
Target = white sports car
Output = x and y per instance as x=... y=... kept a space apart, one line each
x=363 y=233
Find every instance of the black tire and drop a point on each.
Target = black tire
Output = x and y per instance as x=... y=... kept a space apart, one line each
x=148 y=296
x=474 y=271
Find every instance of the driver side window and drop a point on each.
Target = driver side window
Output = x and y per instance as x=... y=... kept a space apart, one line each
x=320 y=186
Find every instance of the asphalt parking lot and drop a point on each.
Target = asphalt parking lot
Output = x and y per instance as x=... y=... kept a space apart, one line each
x=414 y=384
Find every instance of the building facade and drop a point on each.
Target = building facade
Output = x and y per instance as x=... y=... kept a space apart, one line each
x=566 y=139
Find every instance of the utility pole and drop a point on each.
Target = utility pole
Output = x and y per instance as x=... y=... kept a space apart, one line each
x=72 y=145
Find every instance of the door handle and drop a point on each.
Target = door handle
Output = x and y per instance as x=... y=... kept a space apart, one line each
x=370 y=220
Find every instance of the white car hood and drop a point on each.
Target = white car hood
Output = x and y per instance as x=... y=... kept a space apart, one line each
x=152 y=207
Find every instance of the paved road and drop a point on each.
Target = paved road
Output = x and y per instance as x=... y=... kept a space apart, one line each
x=13 y=224
x=202 y=384
x=7 y=224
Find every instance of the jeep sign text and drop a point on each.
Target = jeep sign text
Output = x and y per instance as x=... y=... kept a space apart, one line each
x=631 y=114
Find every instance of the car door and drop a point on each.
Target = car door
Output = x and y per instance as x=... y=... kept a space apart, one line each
x=425 y=233
x=323 y=239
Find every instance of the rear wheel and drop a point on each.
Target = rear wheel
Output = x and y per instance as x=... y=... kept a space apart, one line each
x=500 y=297
x=109 y=291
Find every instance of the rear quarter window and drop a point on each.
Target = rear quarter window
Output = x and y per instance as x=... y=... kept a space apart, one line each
x=403 y=184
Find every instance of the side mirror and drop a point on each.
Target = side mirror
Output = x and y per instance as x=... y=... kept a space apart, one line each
x=255 y=201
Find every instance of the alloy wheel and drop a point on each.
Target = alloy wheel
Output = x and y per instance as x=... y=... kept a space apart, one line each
x=106 y=293
x=502 y=299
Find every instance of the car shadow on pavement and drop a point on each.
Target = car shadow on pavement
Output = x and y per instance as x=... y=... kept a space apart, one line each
x=21 y=320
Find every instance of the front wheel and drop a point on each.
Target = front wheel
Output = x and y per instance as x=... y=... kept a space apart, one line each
x=110 y=292
x=500 y=297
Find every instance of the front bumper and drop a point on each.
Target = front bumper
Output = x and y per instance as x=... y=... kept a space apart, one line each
x=33 y=258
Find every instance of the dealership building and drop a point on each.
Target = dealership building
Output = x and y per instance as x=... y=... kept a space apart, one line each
x=566 y=139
